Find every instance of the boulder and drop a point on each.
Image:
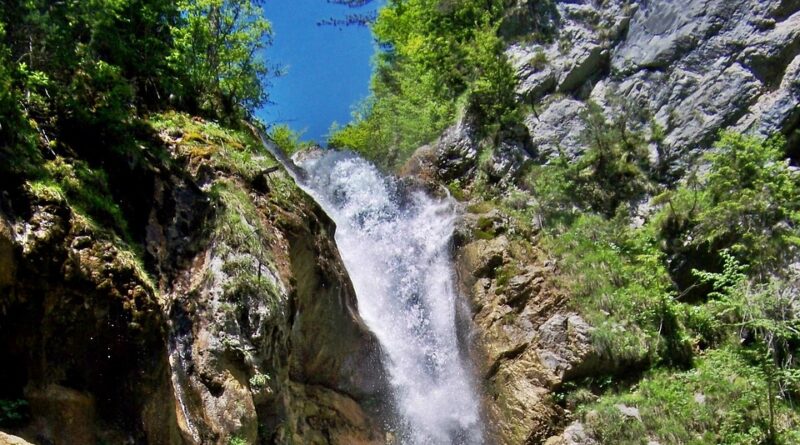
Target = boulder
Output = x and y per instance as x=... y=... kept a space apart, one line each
x=63 y=415
x=574 y=434
x=557 y=126
x=457 y=152
x=564 y=346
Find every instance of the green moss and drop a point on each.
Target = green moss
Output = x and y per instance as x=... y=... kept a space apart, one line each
x=481 y=207
x=238 y=224
x=457 y=191
x=45 y=190
x=85 y=189
x=506 y=273
x=234 y=151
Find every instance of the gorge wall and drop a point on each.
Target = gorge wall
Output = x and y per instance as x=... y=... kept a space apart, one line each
x=247 y=332
x=678 y=72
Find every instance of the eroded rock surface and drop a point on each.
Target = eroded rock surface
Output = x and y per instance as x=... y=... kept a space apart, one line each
x=694 y=66
x=241 y=325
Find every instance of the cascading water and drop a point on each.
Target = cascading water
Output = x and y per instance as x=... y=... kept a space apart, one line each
x=395 y=246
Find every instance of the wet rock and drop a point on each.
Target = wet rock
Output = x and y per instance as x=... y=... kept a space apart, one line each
x=480 y=258
x=64 y=416
x=522 y=406
x=256 y=328
x=232 y=338
x=421 y=166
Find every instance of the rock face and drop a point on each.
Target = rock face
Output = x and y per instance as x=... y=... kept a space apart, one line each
x=241 y=326
x=457 y=152
x=690 y=67
x=694 y=66
x=82 y=330
x=526 y=340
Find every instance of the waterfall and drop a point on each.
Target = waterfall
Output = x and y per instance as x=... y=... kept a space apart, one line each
x=395 y=245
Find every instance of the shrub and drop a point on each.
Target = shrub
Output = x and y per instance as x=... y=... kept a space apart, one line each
x=721 y=401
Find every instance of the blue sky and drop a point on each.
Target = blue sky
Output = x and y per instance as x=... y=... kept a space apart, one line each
x=328 y=69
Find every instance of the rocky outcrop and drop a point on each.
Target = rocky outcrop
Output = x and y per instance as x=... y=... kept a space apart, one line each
x=7 y=439
x=266 y=340
x=234 y=321
x=526 y=339
x=457 y=152
x=695 y=67
x=82 y=328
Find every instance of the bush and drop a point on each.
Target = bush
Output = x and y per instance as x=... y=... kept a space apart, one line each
x=13 y=413
x=617 y=278
x=721 y=401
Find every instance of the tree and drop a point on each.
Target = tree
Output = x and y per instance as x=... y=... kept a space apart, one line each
x=613 y=168
x=767 y=318
x=353 y=19
x=752 y=200
x=218 y=46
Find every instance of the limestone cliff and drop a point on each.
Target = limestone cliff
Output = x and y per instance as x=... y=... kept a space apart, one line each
x=676 y=71
x=226 y=316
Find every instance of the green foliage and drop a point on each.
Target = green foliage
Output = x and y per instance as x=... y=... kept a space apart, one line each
x=218 y=46
x=236 y=440
x=749 y=201
x=234 y=151
x=13 y=413
x=396 y=119
x=753 y=197
x=258 y=380
x=766 y=312
x=720 y=401
x=238 y=223
x=438 y=57
x=613 y=168
x=553 y=188
x=86 y=189
x=287 y=139
x=618 y=280
x=94 y=63
x=613 y=171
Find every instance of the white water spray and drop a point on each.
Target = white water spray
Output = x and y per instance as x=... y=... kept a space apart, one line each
x=396 y=250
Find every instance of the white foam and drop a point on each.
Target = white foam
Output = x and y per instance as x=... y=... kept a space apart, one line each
x=396 y=250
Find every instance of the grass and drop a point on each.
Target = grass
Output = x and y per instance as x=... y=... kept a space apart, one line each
x=722 y=400
x=617 y=277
